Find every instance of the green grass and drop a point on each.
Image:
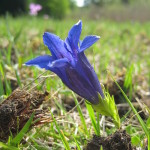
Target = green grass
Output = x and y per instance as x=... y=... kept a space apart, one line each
x=124 y=44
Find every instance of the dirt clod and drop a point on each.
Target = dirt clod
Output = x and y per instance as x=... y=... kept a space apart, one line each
x=120 y=140
x=18 y=107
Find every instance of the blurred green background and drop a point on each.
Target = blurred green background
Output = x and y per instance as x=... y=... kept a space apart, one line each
x=119 y=10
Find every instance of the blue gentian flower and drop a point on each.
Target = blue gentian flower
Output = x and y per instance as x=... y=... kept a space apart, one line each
x=69 y=62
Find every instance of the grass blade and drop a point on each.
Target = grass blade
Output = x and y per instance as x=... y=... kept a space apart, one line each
x=77 y=144
x=8 y=86
x=18 y=78
x=133 y=109
x=1 y=87
x=98 y=124
x=92 y=117
x=66 y=144
x=21 y=134
x=81 y=114
x=128 y=80
x=7 y=147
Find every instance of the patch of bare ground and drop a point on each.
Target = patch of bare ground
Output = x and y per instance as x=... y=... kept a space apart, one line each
x=17 y=109
x=120 y=140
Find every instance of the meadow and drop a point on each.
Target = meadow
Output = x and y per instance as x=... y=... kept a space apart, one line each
x=63 y=120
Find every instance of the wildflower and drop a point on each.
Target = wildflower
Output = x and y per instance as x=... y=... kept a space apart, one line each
x=34 y=9
x=69 y=62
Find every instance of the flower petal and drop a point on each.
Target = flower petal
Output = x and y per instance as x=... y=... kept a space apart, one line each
x=89 y=73
x=74 y=35
x=88 y=41
x=80 y=85
x=55 y=45
x=59 y=63
x=41 y=62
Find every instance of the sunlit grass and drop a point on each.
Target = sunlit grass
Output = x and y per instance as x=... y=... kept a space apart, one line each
x=121 y=45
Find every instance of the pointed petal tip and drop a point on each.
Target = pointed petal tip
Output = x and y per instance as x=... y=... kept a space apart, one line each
x=45 y=34
x=79 y=23
x=26 y=63
x=88 y=41
x=48 y=35
x=98 y=37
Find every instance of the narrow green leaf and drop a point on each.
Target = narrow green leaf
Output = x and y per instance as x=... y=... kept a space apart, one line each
x=133 y=109
x=92 y=117
x=8 y=54
x=59 y=106
x=81 y=114
x=135 y=140
x=18 y=78
x=128 y=80
x=2 y=70
x=8 y=87
x=148 y=122
x=7 y=147
x=17 y=35
x=21 y=134
x=98 y=123
x=77 y=144
x=1 y=87
x=66 y=144
x=148 y=146
x=125 y=116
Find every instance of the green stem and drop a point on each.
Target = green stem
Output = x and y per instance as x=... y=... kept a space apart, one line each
x=81 y=114
x=98 y=125
x=148 y=146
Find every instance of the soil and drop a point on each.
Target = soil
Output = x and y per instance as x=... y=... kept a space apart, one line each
x=120 y=140
x=18 y=107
